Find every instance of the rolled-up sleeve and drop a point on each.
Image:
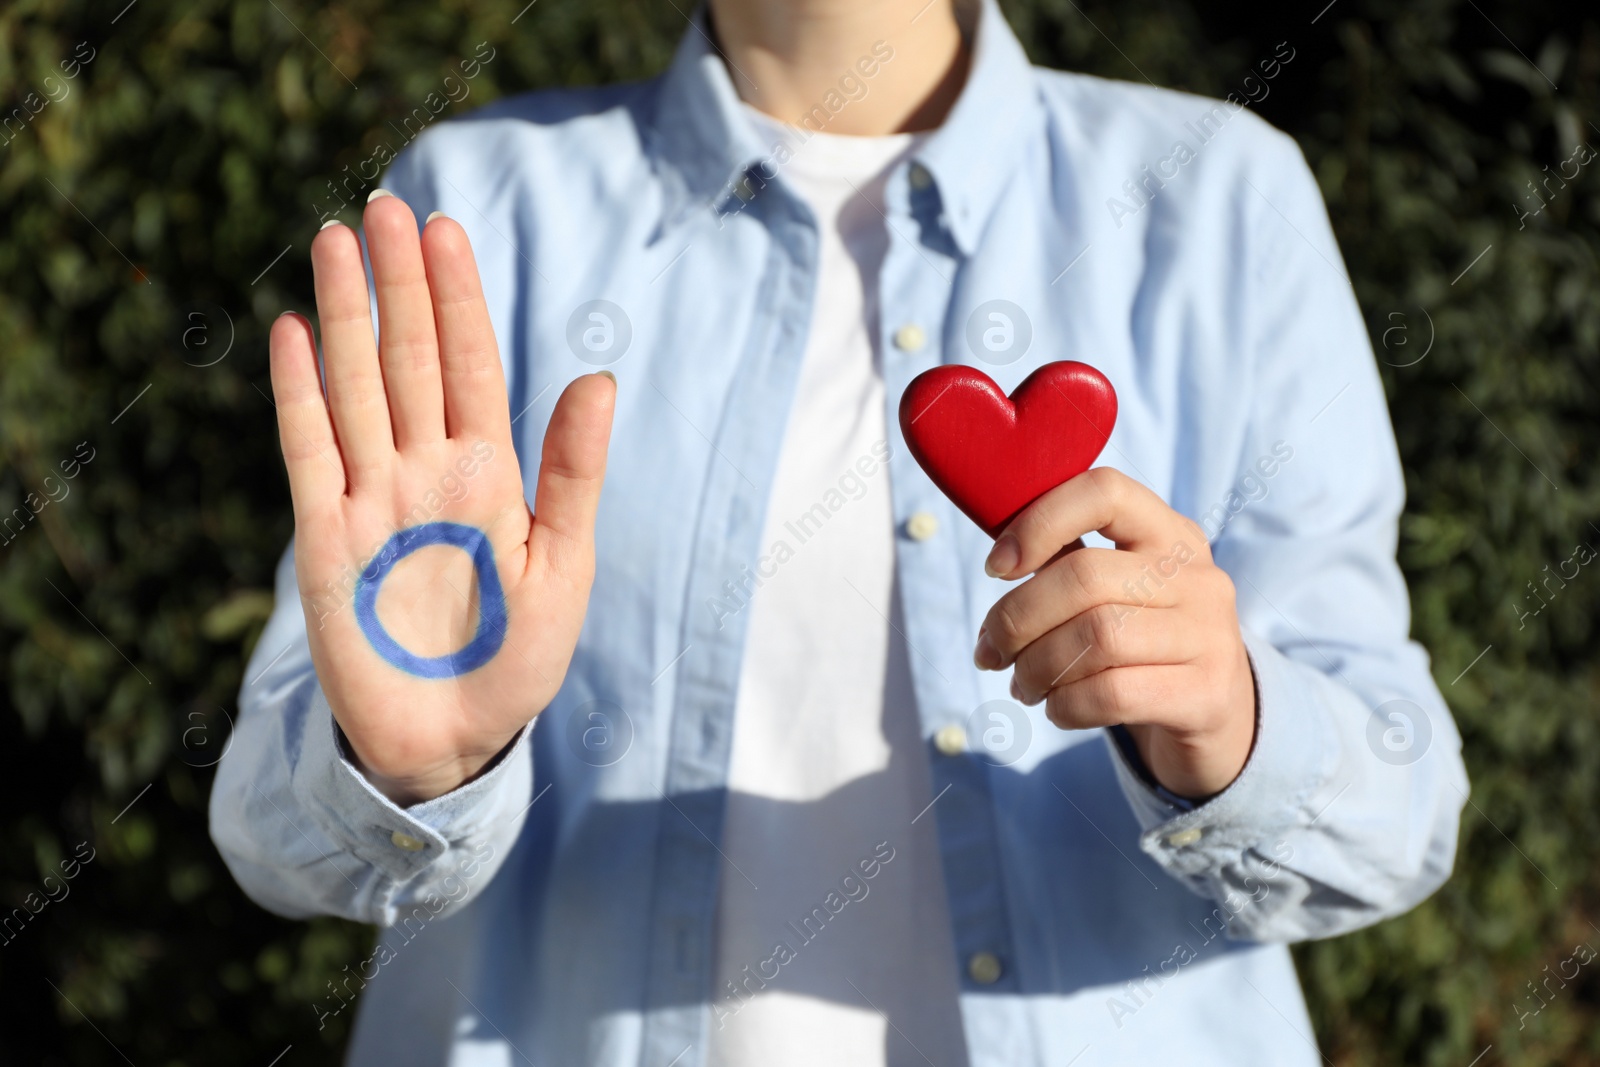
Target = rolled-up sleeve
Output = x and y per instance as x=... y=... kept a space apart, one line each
x=303 y=831
x=1348 y=807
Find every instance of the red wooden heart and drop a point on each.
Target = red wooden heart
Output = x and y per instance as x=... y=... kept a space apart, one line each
x=994 y=456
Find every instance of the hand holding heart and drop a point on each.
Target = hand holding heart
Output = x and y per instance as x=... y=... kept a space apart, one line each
x=1144 y=635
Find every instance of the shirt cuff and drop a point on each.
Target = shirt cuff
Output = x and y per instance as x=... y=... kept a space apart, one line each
x=401 y=842
x=1294 y=756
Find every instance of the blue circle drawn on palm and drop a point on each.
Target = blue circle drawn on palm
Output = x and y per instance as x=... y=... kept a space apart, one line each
x=491 y=632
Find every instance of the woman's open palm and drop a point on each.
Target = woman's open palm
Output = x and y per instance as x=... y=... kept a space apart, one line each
x=442 y=614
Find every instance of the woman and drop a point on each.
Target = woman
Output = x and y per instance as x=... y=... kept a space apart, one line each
x=816 y=771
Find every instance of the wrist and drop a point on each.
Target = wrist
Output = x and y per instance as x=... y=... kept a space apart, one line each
x=407 y=787
x=1197 y=763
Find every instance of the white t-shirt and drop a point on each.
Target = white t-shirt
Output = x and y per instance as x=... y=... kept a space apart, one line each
x=817 y=963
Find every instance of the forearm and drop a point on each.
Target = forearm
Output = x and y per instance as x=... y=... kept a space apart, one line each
x=1317 y=837
x=305 y=833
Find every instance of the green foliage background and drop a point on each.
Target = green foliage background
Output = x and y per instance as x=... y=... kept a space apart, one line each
x=147 y=210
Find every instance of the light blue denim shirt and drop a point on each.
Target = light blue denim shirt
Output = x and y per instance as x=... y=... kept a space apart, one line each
x=559 y=910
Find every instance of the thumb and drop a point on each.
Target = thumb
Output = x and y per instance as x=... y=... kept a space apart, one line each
x=572 y=469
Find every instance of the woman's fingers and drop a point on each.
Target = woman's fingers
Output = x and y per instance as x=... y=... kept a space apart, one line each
x=356 y=395
x=571 y=472
x=408 y=344
x=1103 y=638
x=1073 y=584
x=475 y=406
x=1132 y=696
x=316 y=477
x=1101 y=500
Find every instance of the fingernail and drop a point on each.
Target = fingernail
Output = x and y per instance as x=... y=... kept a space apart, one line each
x=1016 y=693
x=1003 y=557
x=433 y=215
x=376 y=193
x=607 y=374
x=985 y=655
x=330 y=222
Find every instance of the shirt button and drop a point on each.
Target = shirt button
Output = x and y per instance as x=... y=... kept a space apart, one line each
x=1184 y=838
x=920 y=178
x=921 y=526
x=984 y=968
x=951 y=740
x=910 y=338
x=406 y=842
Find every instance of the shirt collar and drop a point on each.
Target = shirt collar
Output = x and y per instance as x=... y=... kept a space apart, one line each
x=700 y=137
x=974 y=153
x=706 y=143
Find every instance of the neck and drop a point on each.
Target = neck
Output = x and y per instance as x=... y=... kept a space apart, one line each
x=872 y=67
